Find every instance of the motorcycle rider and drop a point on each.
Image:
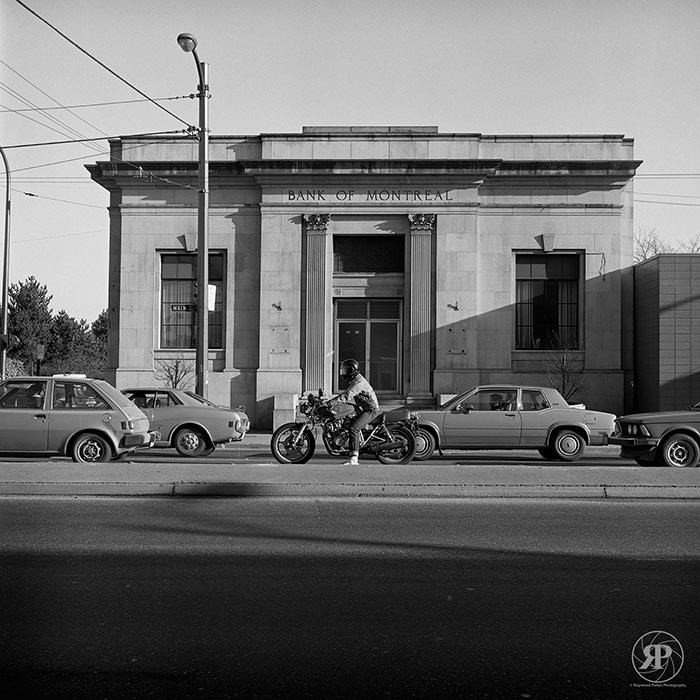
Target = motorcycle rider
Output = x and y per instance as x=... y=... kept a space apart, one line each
x=361 y=393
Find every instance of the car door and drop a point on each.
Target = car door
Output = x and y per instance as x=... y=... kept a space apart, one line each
x=485 y=418
x=536 y=417
x=24 y=421
x=164 y=412
x=76 y=406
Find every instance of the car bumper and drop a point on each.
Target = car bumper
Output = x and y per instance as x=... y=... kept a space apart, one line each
x=635 y=446
x=132 y=442
x=599 y=439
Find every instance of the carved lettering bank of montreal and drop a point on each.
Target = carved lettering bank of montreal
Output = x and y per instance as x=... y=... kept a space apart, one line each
x=424 y=195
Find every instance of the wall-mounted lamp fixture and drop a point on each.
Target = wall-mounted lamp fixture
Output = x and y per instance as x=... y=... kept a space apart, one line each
x=454 y=306
x=277 y=306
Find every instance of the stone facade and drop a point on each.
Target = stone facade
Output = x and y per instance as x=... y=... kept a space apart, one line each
x=461 y=209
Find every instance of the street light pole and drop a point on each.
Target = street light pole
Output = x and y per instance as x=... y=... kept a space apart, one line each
x=188 y=43
x=5 y=271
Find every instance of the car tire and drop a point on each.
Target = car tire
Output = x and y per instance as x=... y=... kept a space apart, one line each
x=680 y=450
x=190 y=442
x=547 y=452
x=90 y=448
x=567 y=445
x=425 y=444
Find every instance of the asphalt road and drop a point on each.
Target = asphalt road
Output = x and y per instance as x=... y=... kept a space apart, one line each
x=200 y=598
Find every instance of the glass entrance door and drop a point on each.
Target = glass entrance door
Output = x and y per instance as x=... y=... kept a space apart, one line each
x=369 y=330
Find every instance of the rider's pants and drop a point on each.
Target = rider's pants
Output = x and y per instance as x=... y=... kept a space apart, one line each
x=356 y=427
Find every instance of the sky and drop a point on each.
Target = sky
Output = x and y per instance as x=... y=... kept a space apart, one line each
x=626 y=67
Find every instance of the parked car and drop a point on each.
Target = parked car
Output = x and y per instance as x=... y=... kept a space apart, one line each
x=665 y=438
x=188 y=422
x=506 y=416
x=85 y=419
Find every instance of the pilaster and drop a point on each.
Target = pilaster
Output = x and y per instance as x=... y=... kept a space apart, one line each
x=317 y=298
x=421 y=330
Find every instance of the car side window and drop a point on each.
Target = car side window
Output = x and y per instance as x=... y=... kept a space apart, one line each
x=483 y=400
x=77 y=396
x=29 y=395
x=164 y=399
x=533 y=400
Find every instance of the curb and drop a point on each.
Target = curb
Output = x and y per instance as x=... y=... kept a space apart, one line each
x=346 y=490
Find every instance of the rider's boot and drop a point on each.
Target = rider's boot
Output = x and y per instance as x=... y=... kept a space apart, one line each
x=353 y=461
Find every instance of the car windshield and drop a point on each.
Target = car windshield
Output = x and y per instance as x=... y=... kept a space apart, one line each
x=447 y=403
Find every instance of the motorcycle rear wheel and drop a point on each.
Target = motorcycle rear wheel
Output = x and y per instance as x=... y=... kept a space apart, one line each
x=398 y=455
x=285 y=451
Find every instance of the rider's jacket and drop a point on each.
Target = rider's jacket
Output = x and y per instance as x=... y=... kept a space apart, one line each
x=361 y=393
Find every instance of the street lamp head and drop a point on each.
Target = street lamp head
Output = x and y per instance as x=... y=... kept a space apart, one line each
x=187 y=42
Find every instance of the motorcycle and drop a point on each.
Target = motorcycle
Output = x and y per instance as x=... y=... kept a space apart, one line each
x=295 y=443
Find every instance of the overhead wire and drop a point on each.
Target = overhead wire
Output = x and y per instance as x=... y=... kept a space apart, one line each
x=36 y=87
x=103 y=65
x=55 y=199
x=101 y=104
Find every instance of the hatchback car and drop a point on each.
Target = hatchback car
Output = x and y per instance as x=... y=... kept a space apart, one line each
x=188 y=422
x=507 y=416
x=85 y=419
x=665 y=438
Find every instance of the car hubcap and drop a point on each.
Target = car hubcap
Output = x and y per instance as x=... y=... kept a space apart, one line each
x=189 y=442
x=91 y=452
x=568 y=444
x=679 y=454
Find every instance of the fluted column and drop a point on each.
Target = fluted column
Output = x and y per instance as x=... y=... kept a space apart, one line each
x=421 y=277
x=317 y=299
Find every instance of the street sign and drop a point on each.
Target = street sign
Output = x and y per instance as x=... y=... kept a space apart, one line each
x=183 y=307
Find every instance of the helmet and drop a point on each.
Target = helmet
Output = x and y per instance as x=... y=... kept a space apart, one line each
x=349 y=369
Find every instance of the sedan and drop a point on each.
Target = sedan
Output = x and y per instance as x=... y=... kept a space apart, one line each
x=506 y=416
x=188 y=422
x=665 y=438
x=85 y=419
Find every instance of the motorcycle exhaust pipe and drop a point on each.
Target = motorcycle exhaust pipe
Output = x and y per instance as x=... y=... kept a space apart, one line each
x=390 y=446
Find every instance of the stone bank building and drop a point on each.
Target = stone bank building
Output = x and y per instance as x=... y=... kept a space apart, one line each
x=438 y=260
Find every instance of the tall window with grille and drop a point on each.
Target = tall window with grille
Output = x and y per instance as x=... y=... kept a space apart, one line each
x=178 y=314
x=547 y=301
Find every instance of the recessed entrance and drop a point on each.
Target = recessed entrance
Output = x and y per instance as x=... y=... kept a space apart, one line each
x=369 y=330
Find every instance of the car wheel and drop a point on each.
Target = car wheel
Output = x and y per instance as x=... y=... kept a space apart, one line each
x=568 y=445
x=90 y=448
x=190 y=442
x=681 y=451
x=425 y=444
x=547 y=452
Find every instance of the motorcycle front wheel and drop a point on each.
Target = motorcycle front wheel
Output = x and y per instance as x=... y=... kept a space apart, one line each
x=288 y=447
x=404 y=449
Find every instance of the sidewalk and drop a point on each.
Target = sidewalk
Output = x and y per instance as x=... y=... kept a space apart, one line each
x=259 y=475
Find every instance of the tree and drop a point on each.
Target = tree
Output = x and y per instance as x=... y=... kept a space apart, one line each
x=174 y=372
x=692 y=245
x=564 y=371
x=28 y=318
x=647 y=244
x=73 y=347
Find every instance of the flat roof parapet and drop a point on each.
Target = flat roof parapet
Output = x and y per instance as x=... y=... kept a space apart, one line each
x=369 y=129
